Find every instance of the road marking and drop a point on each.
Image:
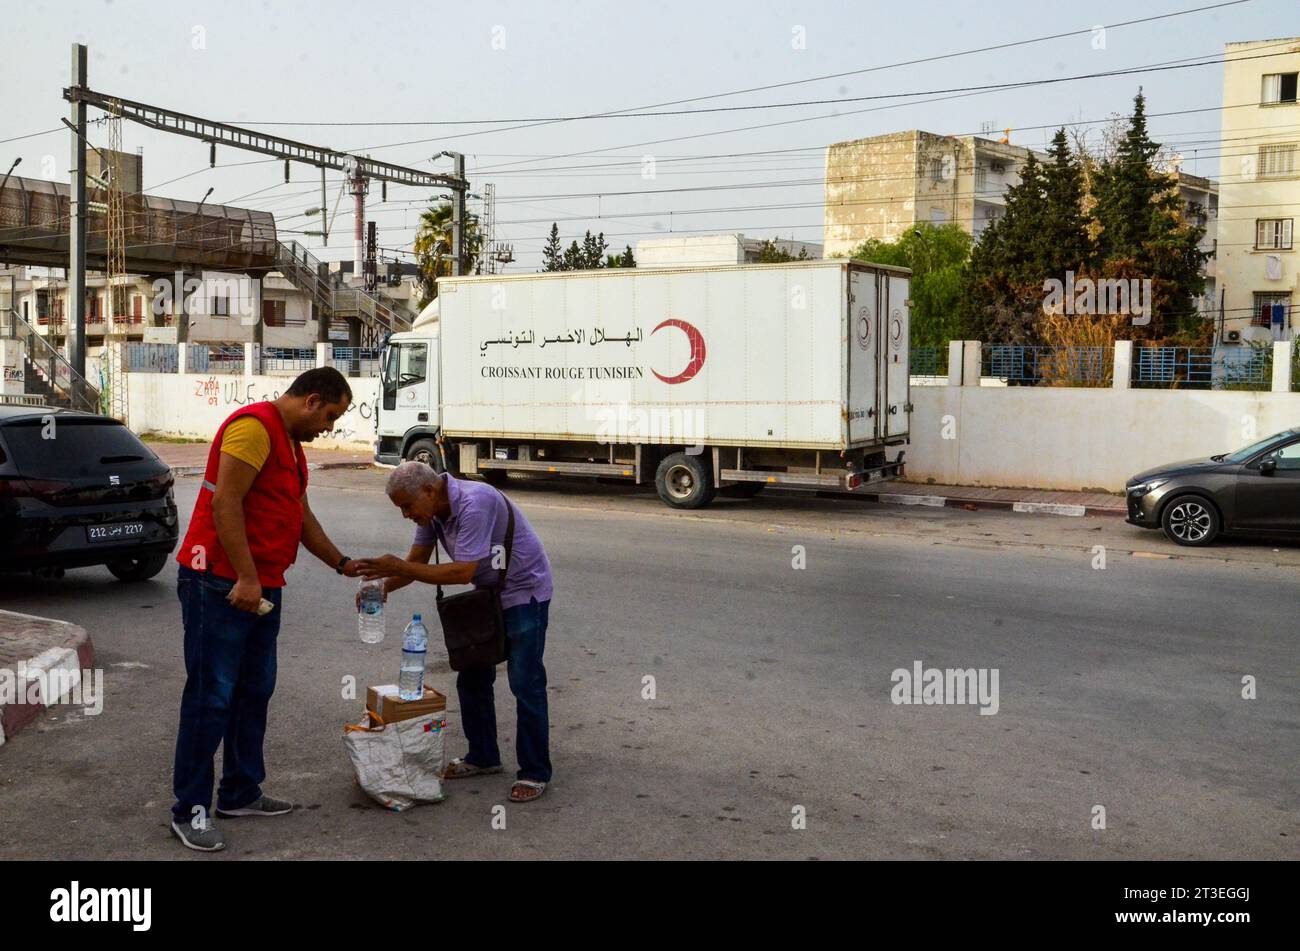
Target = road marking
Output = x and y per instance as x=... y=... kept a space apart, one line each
x=1048 y=508
x=893 y=498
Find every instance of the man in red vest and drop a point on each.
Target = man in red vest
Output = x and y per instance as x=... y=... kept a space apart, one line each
x=250 y=517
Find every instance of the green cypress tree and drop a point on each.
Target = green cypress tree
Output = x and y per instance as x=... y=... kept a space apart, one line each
x=552 y=253
x=1145 y=232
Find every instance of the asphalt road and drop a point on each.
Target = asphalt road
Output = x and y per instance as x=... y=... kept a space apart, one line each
x=1118 y=687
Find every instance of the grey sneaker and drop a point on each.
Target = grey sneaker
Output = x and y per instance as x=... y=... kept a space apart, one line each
x=263 y=806
x=205 y=838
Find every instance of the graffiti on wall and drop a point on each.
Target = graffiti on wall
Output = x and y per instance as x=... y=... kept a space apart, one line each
x=358 y=423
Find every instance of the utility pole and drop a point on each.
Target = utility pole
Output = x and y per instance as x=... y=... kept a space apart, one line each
x=458 y=215
x=359 y=188
x=77 y=218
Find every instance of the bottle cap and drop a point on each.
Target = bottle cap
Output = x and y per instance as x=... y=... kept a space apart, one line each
x=415 y=617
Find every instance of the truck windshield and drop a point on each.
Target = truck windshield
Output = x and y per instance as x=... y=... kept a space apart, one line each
x=407 y=365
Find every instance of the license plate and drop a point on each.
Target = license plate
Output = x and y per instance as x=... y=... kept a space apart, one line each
x=116 y=532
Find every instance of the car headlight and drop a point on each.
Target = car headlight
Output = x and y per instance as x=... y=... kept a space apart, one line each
x=1142 y=488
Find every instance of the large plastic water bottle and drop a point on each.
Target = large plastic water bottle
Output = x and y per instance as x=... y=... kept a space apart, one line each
x=410 y=679
x=370 y=611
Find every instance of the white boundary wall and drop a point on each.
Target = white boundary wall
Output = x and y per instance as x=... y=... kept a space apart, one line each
x=1042 y=437
x=1076 y=437
x=195 y=405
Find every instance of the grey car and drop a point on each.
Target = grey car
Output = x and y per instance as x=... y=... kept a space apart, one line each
x=1255 y=490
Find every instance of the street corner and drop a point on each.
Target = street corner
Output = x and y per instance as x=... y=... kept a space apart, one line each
x=43 y=662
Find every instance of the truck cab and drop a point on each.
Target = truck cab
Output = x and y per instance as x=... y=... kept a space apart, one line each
x=409 y=424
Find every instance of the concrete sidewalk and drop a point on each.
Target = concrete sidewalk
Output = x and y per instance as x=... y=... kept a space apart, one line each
x=188 y=459
x=41 y=661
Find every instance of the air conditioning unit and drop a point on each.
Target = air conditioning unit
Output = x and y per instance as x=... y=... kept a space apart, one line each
x=1232 y=336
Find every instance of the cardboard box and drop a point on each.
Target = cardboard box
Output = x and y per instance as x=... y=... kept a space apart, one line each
x=384 y=703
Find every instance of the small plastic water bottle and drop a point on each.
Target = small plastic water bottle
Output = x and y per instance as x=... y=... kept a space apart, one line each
x=410 y=679
x=370 y=614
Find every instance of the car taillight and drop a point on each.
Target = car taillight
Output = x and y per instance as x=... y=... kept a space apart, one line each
x=14 y=488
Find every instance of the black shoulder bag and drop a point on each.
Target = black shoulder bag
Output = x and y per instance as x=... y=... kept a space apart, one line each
x=473 y=624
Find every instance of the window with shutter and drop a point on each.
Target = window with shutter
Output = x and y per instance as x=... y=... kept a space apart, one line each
x=1277 y=161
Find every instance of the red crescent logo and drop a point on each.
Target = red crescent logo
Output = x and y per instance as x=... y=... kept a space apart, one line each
x=697 y=351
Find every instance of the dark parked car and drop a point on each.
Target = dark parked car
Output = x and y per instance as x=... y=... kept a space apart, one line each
x=1252 y=490
x=78 y=489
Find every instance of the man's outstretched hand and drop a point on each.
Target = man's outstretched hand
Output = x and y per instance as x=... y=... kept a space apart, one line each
x=351 y=569
x=386 y=566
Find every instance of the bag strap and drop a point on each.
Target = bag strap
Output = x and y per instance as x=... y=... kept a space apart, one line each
x=510 y=542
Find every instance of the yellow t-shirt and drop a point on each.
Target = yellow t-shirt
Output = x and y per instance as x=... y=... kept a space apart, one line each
x=248 y=441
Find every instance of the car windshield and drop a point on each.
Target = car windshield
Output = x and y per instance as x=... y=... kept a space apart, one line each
x=1241 y=455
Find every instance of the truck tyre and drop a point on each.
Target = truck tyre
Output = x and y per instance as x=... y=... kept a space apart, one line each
x=684 y=481
x=428 y=452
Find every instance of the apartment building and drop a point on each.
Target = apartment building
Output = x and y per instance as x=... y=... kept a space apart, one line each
x=882 y=186
x=222 y=308
x=705 y=250
x=1259 y=187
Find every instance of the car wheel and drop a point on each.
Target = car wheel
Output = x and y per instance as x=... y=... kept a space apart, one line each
x=1190 y=520
x=684 y=481
x=426 y=451
x=137 y=569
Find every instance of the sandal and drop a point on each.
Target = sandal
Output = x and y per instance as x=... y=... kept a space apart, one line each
x=526 y=790
x=459 y=769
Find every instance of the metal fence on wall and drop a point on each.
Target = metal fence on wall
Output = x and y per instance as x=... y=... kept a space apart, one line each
x=1060 y=366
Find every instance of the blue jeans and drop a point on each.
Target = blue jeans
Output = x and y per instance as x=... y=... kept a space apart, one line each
x=230 y=676
x=526 y=641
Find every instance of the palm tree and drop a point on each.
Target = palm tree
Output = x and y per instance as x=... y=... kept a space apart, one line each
x=433 y=251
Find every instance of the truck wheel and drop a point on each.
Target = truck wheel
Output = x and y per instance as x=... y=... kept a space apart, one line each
x=426 y=451
x=684 y=481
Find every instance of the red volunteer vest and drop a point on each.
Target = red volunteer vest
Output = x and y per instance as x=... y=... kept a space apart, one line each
x=272 y=507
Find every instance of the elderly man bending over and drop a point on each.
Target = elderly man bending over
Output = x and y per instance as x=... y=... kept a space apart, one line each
x=469 y=519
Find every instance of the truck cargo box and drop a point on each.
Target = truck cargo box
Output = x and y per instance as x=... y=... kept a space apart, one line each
x=801 y=355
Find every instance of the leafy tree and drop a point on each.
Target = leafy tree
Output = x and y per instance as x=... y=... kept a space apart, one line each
x=772 y=253
x=936 y=255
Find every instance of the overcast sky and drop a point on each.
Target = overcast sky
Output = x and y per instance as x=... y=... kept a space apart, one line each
x=286 y=63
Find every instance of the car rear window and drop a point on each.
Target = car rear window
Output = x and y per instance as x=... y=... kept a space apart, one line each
x=78 y=447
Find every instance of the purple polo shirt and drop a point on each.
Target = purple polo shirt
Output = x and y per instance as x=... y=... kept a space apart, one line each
x=477 y=524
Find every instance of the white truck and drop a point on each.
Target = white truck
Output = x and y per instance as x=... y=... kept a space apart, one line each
x=702 y=379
